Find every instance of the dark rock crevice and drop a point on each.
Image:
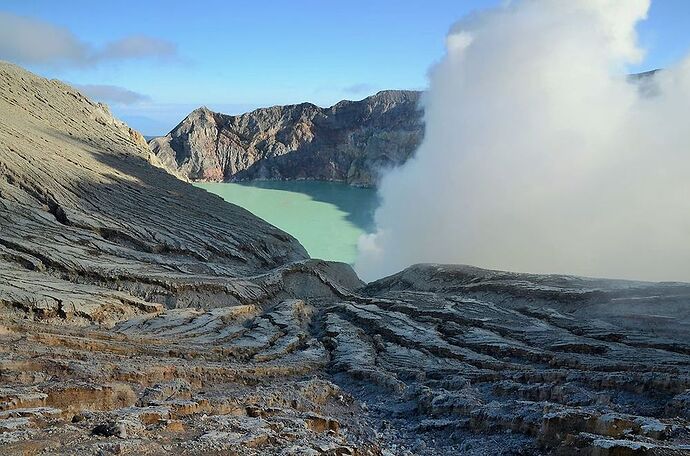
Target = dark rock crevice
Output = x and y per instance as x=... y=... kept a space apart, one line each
x=128 y=297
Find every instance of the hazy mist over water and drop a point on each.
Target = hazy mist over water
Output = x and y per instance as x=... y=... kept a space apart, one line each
x=540 y=155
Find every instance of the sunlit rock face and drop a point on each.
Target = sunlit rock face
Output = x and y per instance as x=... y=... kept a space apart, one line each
x=141 y=315
x=352 y=141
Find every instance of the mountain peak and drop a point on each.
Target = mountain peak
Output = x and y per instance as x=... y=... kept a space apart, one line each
x=350 y=141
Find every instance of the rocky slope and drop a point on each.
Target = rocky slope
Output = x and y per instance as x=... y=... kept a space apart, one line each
x=351 y=141
x=139 y=315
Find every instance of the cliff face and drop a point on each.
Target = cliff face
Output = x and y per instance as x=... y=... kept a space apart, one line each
x=140 y=315
x=351 y=141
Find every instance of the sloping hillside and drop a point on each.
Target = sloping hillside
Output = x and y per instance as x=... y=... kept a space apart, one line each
x=140 y=315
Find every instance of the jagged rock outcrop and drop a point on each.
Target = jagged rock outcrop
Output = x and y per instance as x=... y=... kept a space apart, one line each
x=352 y=141
x=139 y=315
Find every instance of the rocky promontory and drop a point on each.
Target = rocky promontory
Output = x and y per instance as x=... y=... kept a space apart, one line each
x=352 y=141
x=140 y=315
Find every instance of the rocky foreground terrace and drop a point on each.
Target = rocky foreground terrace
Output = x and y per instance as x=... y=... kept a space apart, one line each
x=140 y=315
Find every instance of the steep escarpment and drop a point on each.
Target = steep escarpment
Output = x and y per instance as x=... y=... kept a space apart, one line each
x=79 y=200
x=139 y=315
x=352 y=141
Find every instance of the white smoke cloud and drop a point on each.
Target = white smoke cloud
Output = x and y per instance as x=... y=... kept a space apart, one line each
x=541 y=156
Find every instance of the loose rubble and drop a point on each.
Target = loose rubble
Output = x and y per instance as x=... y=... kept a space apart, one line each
x=139 y=315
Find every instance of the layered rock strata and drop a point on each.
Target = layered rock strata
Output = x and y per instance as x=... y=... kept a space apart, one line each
x=139 y=315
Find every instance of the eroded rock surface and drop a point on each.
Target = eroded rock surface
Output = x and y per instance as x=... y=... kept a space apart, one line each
x=139 y=315
x=352 y=141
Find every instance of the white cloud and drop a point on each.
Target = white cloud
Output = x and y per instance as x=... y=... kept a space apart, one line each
x=112 y=94
x=30 y=41
x=359 y=89
x=138 y=47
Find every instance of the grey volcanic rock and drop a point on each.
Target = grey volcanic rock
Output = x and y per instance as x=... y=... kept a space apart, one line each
x=352 y=141
x=79 y=200
x=139 y=315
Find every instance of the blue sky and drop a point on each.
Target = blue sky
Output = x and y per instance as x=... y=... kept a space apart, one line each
x=154 y=61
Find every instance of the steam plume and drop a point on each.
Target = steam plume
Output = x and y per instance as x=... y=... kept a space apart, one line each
x=540 y=155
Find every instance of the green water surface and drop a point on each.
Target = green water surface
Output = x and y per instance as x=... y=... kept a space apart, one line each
x=326 y=217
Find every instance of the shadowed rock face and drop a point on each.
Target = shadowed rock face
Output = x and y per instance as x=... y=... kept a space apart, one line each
x=351 y=141
x=139 y=315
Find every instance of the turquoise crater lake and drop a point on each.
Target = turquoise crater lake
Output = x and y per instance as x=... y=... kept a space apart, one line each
x=326 y=217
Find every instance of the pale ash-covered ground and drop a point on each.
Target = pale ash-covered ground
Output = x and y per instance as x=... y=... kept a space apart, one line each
x=139 y=315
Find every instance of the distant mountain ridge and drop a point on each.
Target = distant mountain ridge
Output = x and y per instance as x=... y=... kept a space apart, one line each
x=351 y=141
x=140 y=313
